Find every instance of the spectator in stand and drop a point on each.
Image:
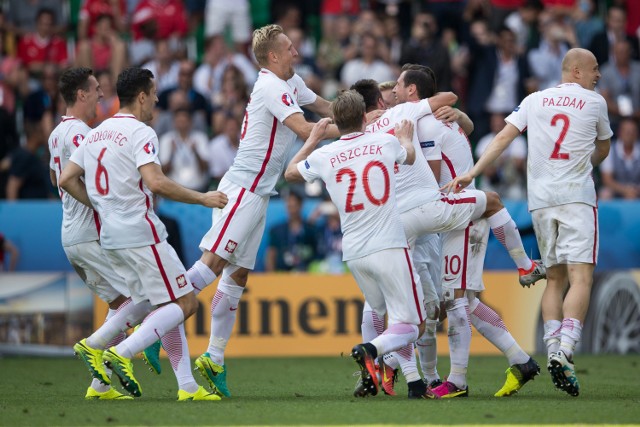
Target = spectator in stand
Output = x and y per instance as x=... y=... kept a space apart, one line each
x=110 y=104
x=169 y=16
x=367 y=64
x=524 y=24
x=104 y=50
x=336 y=48
x=329 y=250
x=425 y=48
x=223 y=149
x=8 y=248
x=142 y=48
x=545 y=61
x=332 y=11
x=305 y=66
x=620 y=84
x=42 y=46
x=500 y=9
x=41 y=104
x=621 y=169
x=164 y=66
x=587 y=22
x=507 y=175
x=22 y=16
x=29 y=172
x=602 y=43
x=232 y=98
x=93 y=10
x=220 y=14
x=13 y=83
x=292 y=244
x=183 y=152
x=163 y=119
x=386 y=90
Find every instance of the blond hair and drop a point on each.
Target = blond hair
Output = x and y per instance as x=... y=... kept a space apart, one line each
x=348 y=110
x=264 y=40
x=387 y=85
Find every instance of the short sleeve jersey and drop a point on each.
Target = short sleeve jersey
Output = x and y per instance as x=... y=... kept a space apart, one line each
x=264 y=140
x=562 y=125
x=79 y=223
x=110 y=156
x=358 y=172
x=447 y=143
x=415 y=184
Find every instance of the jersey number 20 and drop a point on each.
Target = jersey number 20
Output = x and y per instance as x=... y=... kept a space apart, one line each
x=353 y=180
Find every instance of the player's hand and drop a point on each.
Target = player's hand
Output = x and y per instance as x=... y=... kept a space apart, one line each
x=404 y=130
x=372 y=116
x=447 y=114
x=319 y=130
x=458 y=184
x=214 y=199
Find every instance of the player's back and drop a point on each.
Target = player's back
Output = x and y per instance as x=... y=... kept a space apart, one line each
x=358 y=172
x=112 y=154
x=79 y=223
x=562 y=124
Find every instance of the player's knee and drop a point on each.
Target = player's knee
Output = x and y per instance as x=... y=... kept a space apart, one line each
x=494 y=203
x=433 y=310
x=188 y=303
x=421 y=329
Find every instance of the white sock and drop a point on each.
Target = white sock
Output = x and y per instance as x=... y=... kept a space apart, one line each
x=224 y=307
x=395 y=337
x=406 y=357
x=95 y=384
x=428 y=351
x=155 y=326
x=175 y=344
x=551 y=337
x=506 y=231
x=459 y=340
x=570 y=335
x=200 y=276
x=372 y=324
x=491 y=326
x=391 y=360
x=127 y=316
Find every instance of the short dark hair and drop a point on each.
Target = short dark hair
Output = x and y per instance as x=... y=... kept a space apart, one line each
x=369 y=90
x=348 y=111
x=46 y=11
x=427 y=70
x=132 y=81
x=71 y=80
x=425 y=84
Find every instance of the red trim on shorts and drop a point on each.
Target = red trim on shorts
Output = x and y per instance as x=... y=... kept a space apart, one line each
x=413 y=286
x=163 y=273
x=464 y=257
x=146 y=214
x=267 y=156
x=447 y=160
x=458 y=201
x=595 y=233
x=96 y=219
x=214 y=248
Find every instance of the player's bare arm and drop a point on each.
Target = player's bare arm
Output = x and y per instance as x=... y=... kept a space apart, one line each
x=449 y=114
x=404 y=133
x=159 y=184
x=320 y=106
x=493 y=151
x=372 y=116
x=297 y=123
x=601 y=152
x=71 y=182
x=436 y=168
x=52 y=177
x=441 y=99
x=317 y=134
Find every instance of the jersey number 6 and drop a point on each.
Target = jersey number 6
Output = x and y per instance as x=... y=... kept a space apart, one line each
x=102 y=171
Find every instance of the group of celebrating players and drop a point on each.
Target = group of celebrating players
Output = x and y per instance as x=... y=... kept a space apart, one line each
x=414 y=227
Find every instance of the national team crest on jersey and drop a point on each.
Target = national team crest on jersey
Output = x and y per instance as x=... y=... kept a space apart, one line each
x=231 y=246
x=287 y=100
x=77 y=140
x=149 y=148
x=182 y=281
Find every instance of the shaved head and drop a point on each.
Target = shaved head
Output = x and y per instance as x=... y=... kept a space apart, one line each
x=580 y=66
x=575 y=58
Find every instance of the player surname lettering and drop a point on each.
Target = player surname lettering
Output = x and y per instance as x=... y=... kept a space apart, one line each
x=108 y=135
x=378 y=124
x=365 y=150
x=563 y=101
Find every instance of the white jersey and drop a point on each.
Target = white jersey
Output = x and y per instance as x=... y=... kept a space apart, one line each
x=447 y=143
x=415 y=184
x=264 y=140
x=358 y=172
x=563 y=124
x=80 y=224
x=110 y=156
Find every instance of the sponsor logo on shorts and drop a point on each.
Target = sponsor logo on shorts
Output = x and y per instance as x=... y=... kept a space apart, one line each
x=231 y=246
x=449 y=279
x=182 y=281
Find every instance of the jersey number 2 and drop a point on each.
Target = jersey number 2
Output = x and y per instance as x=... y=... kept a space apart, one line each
x=353 y=179
x=563 y=133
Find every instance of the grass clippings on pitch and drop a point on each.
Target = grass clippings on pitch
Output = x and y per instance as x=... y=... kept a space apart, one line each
x=315 y=392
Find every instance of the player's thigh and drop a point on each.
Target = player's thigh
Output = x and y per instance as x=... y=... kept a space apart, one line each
x=237 y=229
x=577 y=234
x=426 y=259
x=476 y=251
x=545 y=226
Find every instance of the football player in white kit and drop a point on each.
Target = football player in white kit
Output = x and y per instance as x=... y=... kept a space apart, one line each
x=569 y=133
x=358 y=173
x=448 y=151
x=121 y=172
x=80 y=224
x=272 y=120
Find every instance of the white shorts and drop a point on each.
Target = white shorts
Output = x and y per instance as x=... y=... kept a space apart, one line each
x=237 y=229
x=567 y=234
x=152 y=273
x=389 y=284
x=463 y=254
x=90 y=259
x=426 y=258
x=451 y=212
x=221 y=14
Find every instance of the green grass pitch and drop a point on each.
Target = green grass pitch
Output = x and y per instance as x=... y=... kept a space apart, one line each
x=316 y=391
